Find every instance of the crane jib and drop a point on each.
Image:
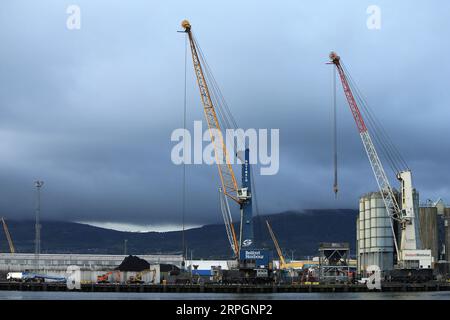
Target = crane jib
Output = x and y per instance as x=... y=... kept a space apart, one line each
x=227 y=177
x=351 y=100
x=8 y=236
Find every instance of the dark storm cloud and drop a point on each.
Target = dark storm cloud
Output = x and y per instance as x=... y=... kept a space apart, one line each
x=91 y=111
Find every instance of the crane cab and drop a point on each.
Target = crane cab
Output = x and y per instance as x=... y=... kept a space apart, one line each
x=243 y=194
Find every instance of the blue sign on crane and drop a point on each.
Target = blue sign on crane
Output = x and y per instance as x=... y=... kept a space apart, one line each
x=249 y=256
x=246 y=236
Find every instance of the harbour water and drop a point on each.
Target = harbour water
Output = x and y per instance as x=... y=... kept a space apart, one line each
x=42 y=295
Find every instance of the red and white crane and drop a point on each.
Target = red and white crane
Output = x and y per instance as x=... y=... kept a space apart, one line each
x=409 y=254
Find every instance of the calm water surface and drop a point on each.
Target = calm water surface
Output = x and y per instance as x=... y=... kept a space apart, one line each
x=24 y=295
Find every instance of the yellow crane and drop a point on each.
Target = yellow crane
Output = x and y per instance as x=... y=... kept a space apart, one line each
x=8 y=236
x=277 y=247
x=283 y=264
x=229 y=184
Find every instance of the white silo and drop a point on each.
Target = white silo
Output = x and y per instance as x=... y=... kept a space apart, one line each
x=376 y=242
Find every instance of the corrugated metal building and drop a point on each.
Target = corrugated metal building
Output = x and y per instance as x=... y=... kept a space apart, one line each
x=434 y=220
x=429 y=234
x=60 y=262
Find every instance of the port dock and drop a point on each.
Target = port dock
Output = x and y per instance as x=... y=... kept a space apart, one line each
x=217 y=288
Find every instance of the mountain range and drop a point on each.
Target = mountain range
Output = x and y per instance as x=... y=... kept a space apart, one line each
x=298 y=233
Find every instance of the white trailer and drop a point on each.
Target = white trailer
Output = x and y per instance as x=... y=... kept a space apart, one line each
x=14 y=276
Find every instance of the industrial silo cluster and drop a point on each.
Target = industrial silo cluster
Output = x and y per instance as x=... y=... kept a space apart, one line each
x=375 y=233
x=375 y=241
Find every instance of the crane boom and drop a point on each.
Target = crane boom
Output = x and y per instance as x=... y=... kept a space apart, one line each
x=228 y=220
x=277 y=246
x=227 y=177
x=8 y=236
x=386 y=191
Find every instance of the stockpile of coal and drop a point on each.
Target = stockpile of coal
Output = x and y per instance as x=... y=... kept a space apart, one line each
x=169 y=268
x=133 y=263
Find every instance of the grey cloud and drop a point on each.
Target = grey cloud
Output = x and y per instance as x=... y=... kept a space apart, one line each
x=91 y=111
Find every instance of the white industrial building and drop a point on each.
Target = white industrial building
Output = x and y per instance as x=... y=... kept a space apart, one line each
x=60 y=262
x=206 y=267
x=91 y=266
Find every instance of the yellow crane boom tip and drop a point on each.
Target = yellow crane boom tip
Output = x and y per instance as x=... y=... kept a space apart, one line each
x=185 y=24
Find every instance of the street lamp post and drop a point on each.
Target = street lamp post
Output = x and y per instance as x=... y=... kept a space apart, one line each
x=37 y=243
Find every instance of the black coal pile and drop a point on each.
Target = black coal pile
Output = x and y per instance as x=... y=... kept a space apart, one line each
x=133 y=263
x=170 y=269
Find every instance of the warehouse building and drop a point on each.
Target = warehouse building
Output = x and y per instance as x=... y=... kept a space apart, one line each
x=434 y=220
x=60 y=262
x=91 y=266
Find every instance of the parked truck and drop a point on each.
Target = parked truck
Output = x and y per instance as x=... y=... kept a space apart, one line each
x=33 y=277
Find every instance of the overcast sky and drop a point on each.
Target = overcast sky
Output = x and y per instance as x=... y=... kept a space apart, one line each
x=91 y=111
